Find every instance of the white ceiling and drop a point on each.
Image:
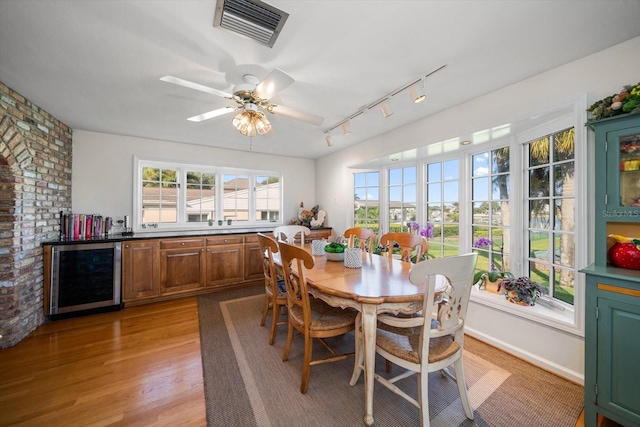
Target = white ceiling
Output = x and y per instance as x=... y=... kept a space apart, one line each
x=95 y=65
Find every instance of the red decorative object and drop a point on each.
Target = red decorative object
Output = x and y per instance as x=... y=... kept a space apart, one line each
x=625 y=255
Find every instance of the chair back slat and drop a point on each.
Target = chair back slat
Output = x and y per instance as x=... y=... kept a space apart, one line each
x=288 y=233
x=407 y=242
x=366 y=238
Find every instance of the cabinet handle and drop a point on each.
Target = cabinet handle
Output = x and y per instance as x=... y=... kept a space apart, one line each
x=182 y=244
x=225 y=240
x=126 y=246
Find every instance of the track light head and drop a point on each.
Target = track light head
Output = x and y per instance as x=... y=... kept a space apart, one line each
x=417 y=92
x=386 y=108
x=346 y=127
x=328 y=139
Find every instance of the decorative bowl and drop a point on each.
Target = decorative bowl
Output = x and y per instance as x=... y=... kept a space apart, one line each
x=333 y=256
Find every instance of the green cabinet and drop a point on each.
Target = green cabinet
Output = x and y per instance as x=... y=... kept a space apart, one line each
x=612 y=295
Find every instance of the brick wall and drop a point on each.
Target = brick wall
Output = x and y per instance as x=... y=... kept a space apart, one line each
x=35 y=185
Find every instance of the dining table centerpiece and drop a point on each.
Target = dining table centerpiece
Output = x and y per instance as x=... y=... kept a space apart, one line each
x=335 y=251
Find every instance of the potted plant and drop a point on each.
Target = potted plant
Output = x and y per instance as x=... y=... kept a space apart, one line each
x=490 y=280
x=522 y=291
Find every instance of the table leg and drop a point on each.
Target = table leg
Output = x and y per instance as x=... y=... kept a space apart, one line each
x=369 y=337
x=358 y=362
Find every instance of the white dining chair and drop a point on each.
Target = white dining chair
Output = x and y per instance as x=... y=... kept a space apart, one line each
x=288 y=233
x=421 y=345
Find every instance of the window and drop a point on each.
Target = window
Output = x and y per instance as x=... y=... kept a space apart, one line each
x=268 y=198
x=491 y=213
x=443 y=208
x=551 y=213
x=402 y=198
x=201 y=191
x=159 y=195
x=175 y=196
x=366 y=200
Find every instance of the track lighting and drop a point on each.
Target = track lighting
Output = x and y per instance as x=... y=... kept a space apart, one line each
x=386 y=108
x=416 y=88
x=417 y=92
x=346 y=128
x=328 y=139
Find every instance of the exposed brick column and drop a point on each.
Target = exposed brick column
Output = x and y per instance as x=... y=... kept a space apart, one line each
x=35 y=185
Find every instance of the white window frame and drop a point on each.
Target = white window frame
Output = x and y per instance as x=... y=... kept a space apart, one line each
x=182 y=224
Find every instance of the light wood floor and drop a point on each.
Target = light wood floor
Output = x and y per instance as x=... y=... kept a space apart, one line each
x=140 y=366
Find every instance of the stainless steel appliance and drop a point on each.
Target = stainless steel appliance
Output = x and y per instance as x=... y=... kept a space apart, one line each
x=85 y=277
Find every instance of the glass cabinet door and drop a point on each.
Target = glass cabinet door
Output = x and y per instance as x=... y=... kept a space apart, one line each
x=629 y=155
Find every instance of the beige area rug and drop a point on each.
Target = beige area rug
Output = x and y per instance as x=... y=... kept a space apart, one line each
x=247 y=384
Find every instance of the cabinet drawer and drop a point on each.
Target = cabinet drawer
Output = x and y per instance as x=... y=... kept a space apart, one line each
x=251 y=238
x=181 y=243
x=224 y=240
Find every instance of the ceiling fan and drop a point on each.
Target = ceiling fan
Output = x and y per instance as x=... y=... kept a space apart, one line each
x=251 y=96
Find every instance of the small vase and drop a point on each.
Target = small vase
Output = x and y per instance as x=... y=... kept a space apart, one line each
x=493 y=286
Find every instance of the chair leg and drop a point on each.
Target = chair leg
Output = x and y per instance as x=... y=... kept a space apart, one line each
x=287 y=347
x=423 y=397
x=462 y=388
x=265 y=309
x=306 y=364
x=275 y=316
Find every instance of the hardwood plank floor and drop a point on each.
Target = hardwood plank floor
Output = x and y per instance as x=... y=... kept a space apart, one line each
x=140 y=366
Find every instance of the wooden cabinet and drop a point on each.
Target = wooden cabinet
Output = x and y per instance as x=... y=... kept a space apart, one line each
x=164 y=268
x=225 y=260
x=140 y=269
x=318 y=234
x=612 y=321
x=612 y=295
x=252 y=258
x=182 y=264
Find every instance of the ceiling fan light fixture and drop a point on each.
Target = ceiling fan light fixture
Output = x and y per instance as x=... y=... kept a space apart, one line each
x=417 y=92
x=251 y=121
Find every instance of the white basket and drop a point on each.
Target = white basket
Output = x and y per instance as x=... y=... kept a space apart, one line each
x=317 y=247
x=353 y=258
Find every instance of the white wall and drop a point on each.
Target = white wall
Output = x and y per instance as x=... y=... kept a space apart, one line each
x=595 y=77
x=102 y=176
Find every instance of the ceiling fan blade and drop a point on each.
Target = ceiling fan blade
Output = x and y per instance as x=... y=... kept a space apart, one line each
x=276 y=81
x=196 y=86
x=298 y=115
x=212 y=114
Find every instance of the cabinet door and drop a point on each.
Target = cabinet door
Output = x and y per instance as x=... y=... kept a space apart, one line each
x=252 y=260
x=140 y=269
x=182 y=269
x=623 y=168
x=618 y=376
x=224 y=264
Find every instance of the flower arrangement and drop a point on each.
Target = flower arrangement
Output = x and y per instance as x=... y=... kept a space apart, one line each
x=426 y=231
x=522 y=291
x=493 y=274
x=627 y=101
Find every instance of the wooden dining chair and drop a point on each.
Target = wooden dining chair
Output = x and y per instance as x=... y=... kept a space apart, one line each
x=275 y=294
x=366 y=238
x=288 y=233
x=311 y=317
x=421 y=345
x=407 y=242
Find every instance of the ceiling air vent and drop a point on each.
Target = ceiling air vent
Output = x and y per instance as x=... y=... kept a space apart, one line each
x=251 y=18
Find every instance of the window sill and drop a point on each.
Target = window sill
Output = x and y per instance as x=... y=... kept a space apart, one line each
x=563 y=320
